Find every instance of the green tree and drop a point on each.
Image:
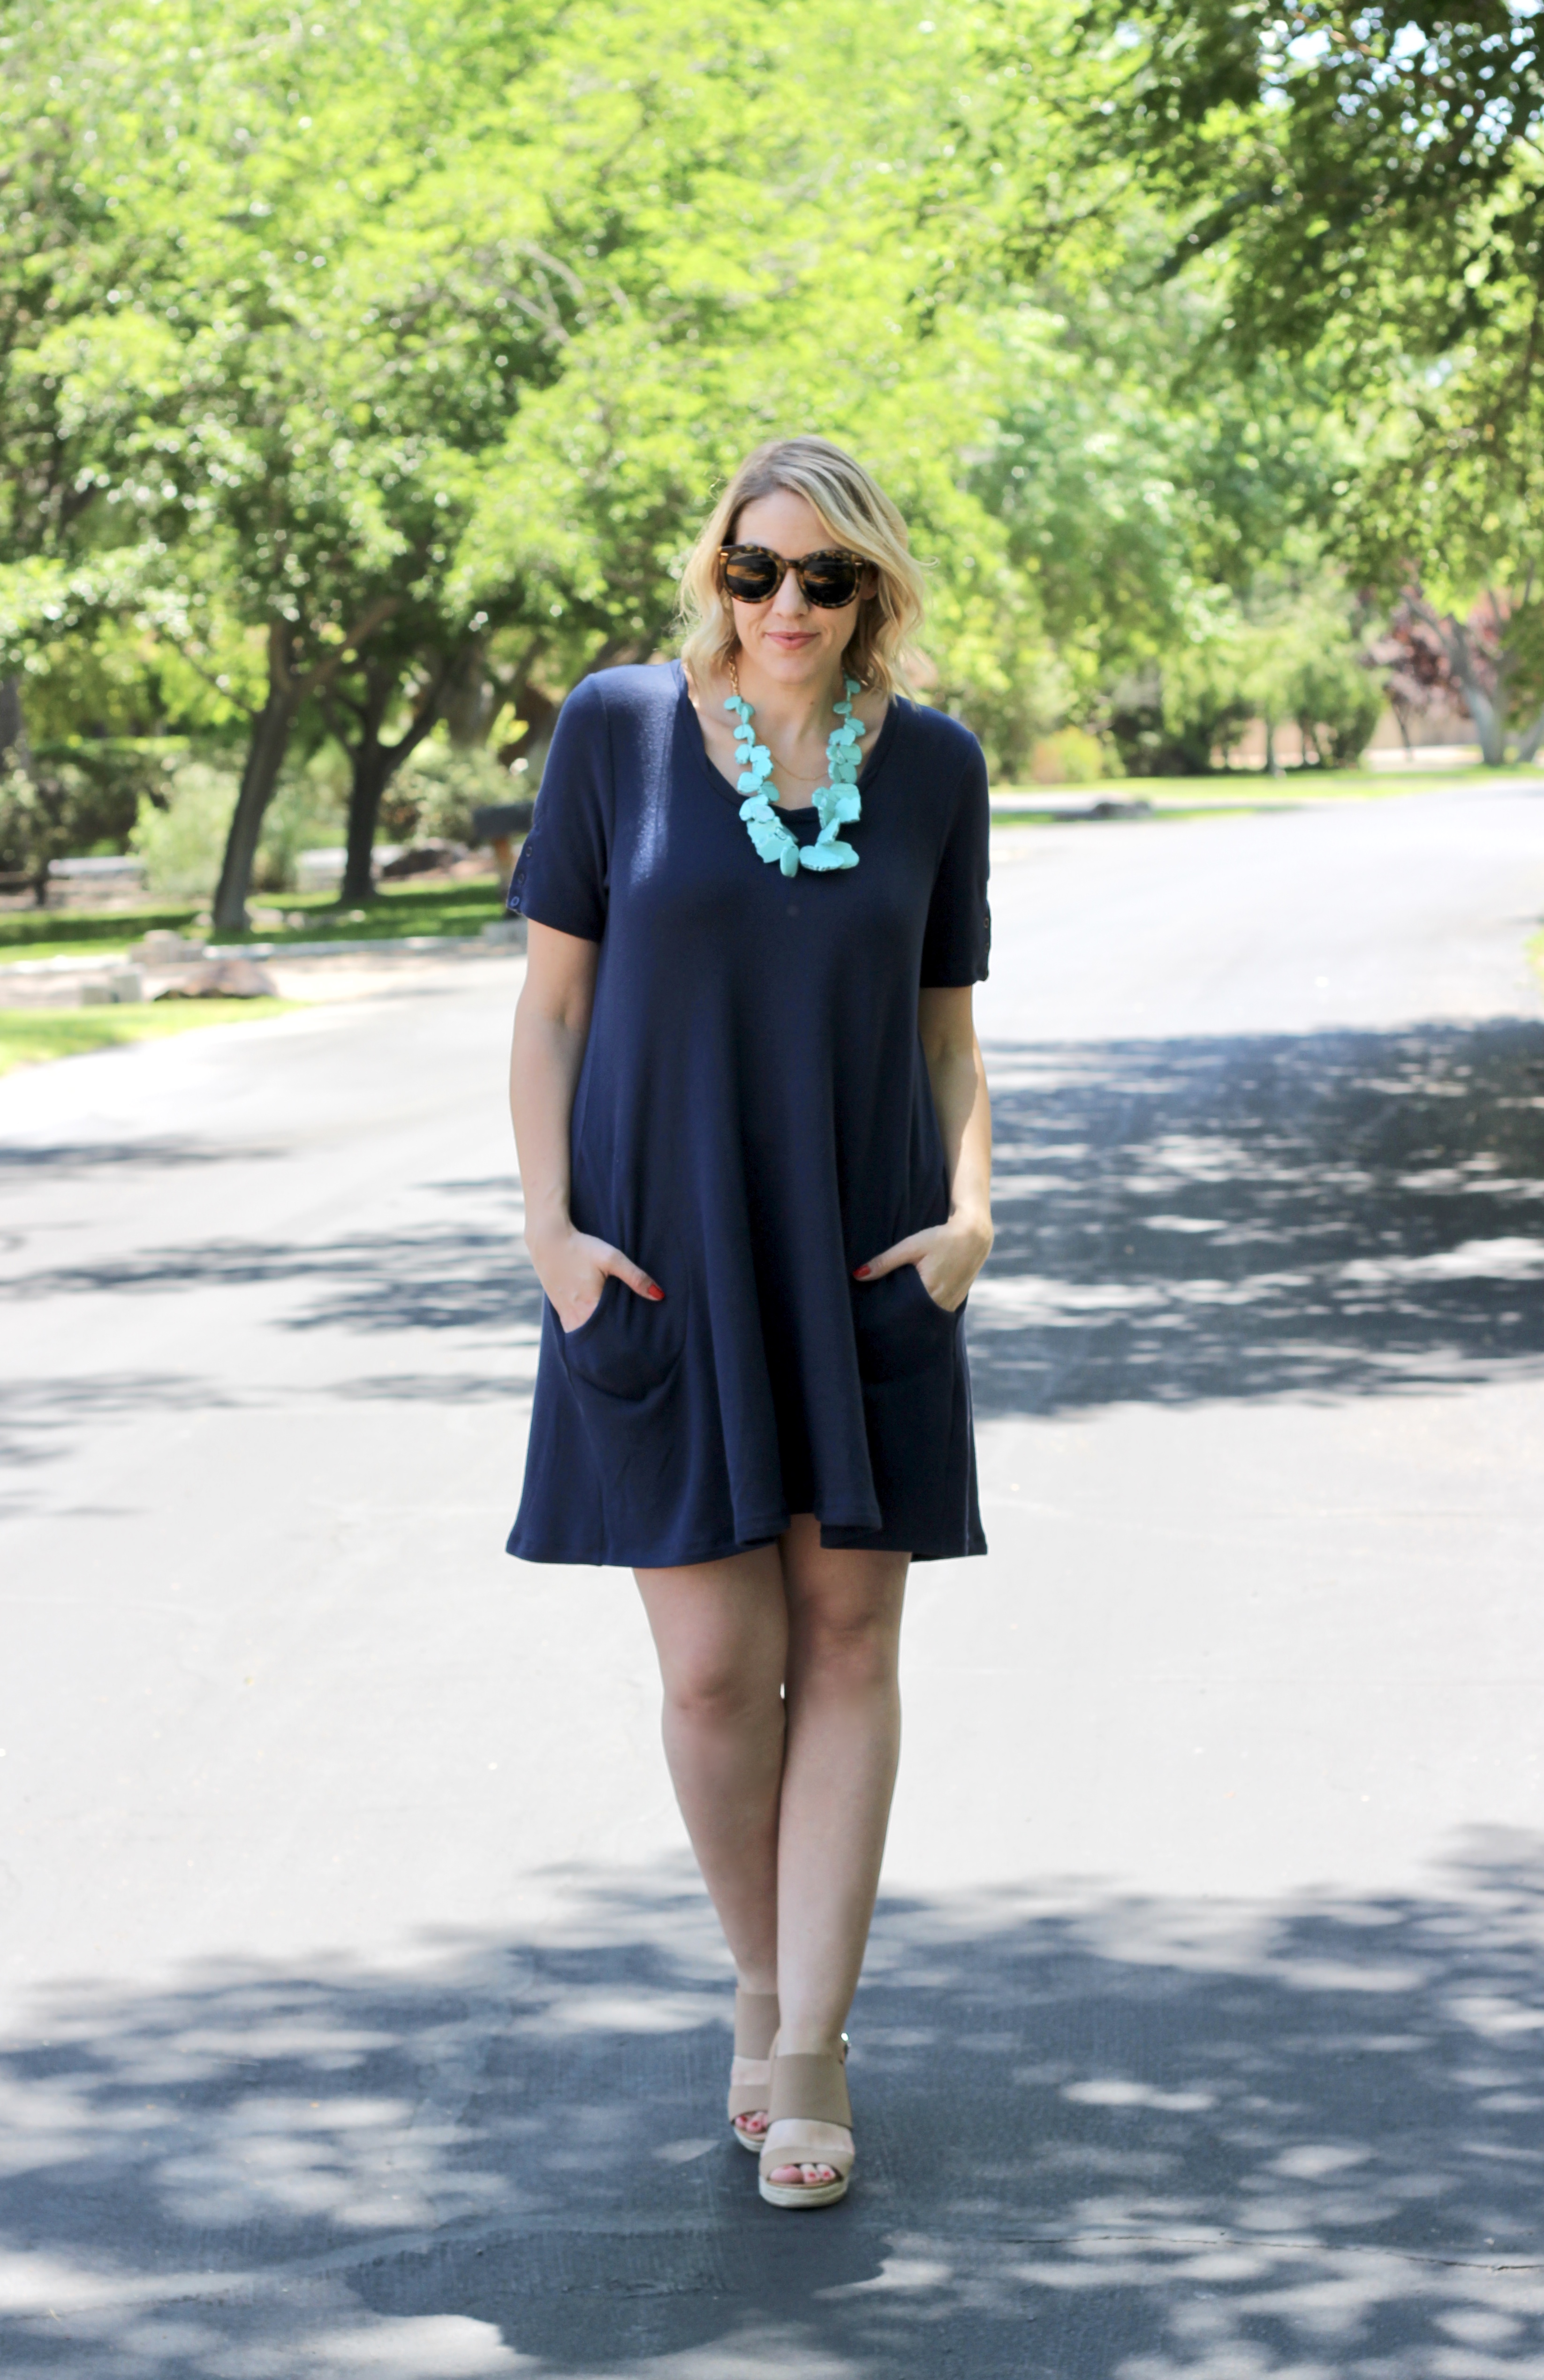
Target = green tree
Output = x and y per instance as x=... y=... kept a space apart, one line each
x=84 y=378
x=392 y=352
x=1366 y=184
x=1143 y=488
x=358 y=296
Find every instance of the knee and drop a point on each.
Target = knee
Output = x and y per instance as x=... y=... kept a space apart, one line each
x=854 y=1652
x=708 y=1690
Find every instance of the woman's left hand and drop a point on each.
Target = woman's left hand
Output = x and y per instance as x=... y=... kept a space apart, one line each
x=948 y=1256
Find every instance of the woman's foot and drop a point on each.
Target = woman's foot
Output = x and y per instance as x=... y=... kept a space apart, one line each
x=808 y=2154
x=750 y=2073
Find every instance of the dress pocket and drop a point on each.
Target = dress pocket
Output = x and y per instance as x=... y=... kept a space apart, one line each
x=628 y=1346
x=900 y=1329
x=626 y=1376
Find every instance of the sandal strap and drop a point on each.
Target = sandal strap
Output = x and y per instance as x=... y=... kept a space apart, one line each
x=750 y=2086
x=755 y=2023
x=811 y=2083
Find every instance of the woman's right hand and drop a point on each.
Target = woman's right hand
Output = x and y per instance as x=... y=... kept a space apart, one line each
x=572 y=1268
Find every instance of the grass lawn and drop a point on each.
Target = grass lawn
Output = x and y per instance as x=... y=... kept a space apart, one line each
x=397 y=909
x=407 y=909
x=44 y=933
x=29 y=1034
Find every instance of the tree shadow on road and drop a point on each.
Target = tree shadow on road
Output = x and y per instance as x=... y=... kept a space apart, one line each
x=1328 y=1214
x=1099 y=2136
x=65 y=1161
x=1334 y=1214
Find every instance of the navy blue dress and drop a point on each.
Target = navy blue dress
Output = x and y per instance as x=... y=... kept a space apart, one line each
x=753 y=1119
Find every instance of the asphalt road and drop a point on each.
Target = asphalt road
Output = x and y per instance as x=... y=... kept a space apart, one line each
x=359 y=2011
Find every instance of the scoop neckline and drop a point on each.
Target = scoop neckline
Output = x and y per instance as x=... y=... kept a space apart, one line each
x=872 y=761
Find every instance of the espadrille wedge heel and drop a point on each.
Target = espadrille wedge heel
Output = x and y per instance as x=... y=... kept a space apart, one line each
x=812 y=2124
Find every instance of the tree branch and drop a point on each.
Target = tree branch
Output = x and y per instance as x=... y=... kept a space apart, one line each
x=323 y=673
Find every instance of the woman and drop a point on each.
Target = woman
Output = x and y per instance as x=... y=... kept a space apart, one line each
x=755 y=1143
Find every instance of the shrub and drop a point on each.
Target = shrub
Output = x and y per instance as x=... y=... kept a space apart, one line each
x=437 y=788
x=181 y=838
x=1291 y=651
x=1336 y=702
x=1071 y=757
x=1168 y=723
x=180 y=835
x=65 y=805
x=309 y=812
x=1305 y=661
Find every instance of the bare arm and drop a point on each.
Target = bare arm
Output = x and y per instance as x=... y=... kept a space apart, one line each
x=950 y=1255
x=552 y=1027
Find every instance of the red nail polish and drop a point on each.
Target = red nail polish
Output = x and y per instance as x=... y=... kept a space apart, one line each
x=656 y=1293
x=860 y=1272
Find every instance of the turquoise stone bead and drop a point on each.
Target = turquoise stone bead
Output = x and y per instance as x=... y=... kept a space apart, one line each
x=837 y=802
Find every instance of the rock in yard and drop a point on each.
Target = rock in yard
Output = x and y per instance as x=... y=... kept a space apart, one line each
x=111 y=987
x=224 y=979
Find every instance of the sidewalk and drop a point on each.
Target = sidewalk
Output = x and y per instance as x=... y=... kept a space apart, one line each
x=296 y=970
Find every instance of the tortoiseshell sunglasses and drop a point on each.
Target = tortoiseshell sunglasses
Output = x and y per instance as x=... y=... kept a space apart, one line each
x=753 y=574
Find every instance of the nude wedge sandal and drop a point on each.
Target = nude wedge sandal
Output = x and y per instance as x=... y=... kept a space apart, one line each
x=750 y=2072
x=812 y=2124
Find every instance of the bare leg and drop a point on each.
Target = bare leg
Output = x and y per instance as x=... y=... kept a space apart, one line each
x=838 y=1774
x=789 y=1832
x=720 y=1630
x=838 y=1777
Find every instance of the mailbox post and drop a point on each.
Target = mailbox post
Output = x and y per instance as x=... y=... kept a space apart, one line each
x=502 y=824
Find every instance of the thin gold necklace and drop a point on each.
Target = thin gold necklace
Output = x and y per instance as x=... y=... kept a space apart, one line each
x=802 y=775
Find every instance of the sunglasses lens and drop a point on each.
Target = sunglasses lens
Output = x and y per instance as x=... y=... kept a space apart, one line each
x=831 y=580
x=750 y=577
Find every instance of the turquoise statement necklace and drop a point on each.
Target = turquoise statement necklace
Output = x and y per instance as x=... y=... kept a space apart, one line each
x=837 y=801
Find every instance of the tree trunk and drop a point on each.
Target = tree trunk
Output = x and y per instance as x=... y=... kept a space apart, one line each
x=1489 y=720
x=1273 y=766
x=260 y=774
x=1528 y=748
x=471 y=700
x=265 y=751
x=1487 y=710
x=14 y=746
x=374 y=763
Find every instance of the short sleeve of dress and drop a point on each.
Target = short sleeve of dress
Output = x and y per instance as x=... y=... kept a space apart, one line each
x=957 y=941
x=562 y=878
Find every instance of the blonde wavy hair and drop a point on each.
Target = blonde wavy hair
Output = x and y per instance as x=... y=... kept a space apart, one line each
x=856 y=513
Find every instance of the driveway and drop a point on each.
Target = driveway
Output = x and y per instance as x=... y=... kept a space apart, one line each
x=360 y=2012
